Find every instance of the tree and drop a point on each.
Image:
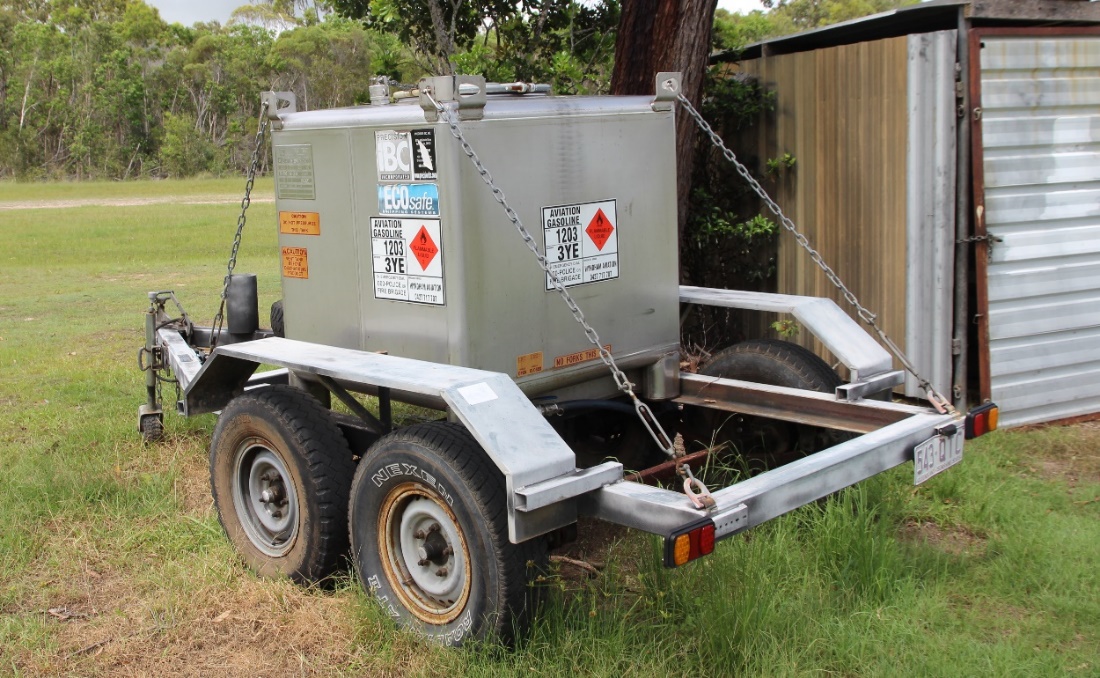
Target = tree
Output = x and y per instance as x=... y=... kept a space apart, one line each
x=801 y=15
x=666 y=35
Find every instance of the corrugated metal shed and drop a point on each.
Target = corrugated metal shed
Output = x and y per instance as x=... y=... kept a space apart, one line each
x=872 y=126
x=1024 y=164
x=1040 y=102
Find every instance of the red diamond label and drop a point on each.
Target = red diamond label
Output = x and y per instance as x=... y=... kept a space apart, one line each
x=599 y=229
x=424 y=248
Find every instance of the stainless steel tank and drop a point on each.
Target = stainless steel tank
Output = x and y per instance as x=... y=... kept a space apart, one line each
x=391 y=241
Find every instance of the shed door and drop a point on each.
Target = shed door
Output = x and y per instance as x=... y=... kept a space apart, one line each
x=1040 y=132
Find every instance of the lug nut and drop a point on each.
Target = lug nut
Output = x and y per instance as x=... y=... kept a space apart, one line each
x=434 y=527
x=276 y=514
x=419 y=534
x=441 y=572
x=423 y=562
x=448 y=551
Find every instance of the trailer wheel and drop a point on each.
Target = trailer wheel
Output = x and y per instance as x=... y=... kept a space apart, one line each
x=279 y=472
x=429 y=537
x=774 y=363
x=278 y=325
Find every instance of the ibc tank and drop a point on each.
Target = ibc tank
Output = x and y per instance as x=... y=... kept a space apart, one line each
x=391 y=241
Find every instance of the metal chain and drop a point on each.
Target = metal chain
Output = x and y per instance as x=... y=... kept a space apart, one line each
x=937 y=400
x=644 y=413
x=219 y=318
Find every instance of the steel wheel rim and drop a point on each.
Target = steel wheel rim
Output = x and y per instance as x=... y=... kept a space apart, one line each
x=431 y=581
x=264 y=497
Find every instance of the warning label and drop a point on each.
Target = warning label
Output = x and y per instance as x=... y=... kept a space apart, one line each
x=408 y=260
x=579 y=357
x=300 y=223
x=581 y=242
x=530 y=363
x=405 y=155
x=295 y=262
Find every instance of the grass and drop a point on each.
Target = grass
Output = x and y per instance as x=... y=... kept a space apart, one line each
x=112 y=561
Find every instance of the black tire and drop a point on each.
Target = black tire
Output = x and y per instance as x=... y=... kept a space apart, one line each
x=427 y=500
x=774 y=363
x=280 y=473
x=152 y=428
x=278 y=325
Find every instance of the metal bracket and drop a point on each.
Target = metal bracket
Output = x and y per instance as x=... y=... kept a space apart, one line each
x=567 y=486
x=857 y=390
x=669 y=86
x=279 y=103
x=468 y=91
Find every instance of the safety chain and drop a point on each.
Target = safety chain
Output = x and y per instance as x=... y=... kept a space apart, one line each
x=644 y=413
x=942 y=404
x=219 y=318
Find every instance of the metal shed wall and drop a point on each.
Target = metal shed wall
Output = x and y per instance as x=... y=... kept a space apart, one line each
x=872 y=126
x=1040 y=123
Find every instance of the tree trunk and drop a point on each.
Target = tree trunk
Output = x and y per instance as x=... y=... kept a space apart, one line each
x=666 y=35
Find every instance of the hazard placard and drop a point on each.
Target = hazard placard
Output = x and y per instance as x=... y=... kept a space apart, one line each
x=581 y=242
x=300 y=223
x=295 y=262
x=408 y=260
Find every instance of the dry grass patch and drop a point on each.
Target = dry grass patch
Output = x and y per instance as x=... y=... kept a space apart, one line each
x=957 y=540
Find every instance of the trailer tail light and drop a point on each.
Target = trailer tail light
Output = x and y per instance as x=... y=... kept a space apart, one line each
x=689 y=543
x=982 y=420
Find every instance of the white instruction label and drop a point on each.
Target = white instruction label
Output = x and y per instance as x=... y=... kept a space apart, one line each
x=477 y=393
x=408 y=260
x=582 y=242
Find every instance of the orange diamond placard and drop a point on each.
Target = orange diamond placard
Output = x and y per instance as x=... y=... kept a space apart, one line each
x=423 y=248
x=600 y=229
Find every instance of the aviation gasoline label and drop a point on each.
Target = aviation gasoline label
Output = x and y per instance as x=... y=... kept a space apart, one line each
x=408 y=260
x=581 y=242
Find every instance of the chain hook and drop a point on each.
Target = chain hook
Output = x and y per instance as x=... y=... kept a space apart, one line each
x=701 y=499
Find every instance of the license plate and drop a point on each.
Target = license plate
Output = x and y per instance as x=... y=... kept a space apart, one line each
x=936 y=454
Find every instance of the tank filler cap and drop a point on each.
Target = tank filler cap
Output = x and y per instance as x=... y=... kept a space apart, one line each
x=379 y=91
x=668 y=88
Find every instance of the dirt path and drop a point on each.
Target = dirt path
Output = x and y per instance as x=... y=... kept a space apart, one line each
x=128 y=202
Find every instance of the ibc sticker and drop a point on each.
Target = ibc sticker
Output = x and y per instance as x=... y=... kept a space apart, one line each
x=581 y=242
x=402 y=155
x=408 y=199
x=408 y=260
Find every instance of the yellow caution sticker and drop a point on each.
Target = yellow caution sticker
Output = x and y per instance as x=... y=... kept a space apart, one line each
x=295 y=262
x=579 y=357
x=300 y=223
x=529 y=364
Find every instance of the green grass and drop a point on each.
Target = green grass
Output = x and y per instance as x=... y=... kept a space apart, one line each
x=12 y=191
x=989 y=569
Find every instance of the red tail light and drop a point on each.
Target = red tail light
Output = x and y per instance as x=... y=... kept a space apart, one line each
x=689 y=543
x=982 y=420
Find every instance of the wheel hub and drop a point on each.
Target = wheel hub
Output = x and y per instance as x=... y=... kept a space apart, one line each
x=424 y=554
x=264 y=498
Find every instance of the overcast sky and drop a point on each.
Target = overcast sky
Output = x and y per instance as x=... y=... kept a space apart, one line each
x=188 y=12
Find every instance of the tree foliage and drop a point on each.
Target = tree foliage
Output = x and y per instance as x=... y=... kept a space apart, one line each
x=563 y=41
x=107 y=89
